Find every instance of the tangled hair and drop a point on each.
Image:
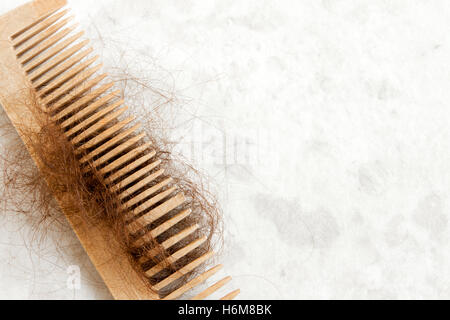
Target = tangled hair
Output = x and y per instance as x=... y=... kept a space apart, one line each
x=88 y=199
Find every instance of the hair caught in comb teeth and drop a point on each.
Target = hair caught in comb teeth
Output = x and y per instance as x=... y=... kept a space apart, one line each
x=147 y=228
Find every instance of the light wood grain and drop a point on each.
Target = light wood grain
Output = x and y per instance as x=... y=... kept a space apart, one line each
x=112 y=264
x=39 y=51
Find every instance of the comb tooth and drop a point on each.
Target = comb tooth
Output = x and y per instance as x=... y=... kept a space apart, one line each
x=147 y=204
x=36 y=27
x=99 y=125
x=176 y=256
x=155 y=199
x=69 y=85
x=53 y=51
x=162 y=228
x=116 y=151
x=75 y=94
x=105 y=134
x=133 y=165
x=49 y=65
x=148 y=192
x=82 y=101
x=62 y=68
x=109 y=144
x=135 y=176
x=132 y=189
x=231 y=295
x=127 y=157
x=216 y=286
x=170 y=242
x=88 y=121
x=92 y=108
x=69 y=74
x=44 y=35
x=79 y=91
x=183 y=271
x=45 y=45
x=157 y=213
x=193 y=283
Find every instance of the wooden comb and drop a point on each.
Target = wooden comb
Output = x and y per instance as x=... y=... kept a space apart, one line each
x=39 y=50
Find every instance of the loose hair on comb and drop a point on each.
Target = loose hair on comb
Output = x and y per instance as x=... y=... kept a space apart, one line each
x=147 y=227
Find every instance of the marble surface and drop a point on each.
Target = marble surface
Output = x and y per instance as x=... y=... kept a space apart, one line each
x=322 y=124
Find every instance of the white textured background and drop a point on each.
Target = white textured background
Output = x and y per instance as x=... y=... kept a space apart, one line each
x=323 y=124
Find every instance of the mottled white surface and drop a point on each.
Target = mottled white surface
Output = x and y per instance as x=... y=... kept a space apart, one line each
x=323 y=124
